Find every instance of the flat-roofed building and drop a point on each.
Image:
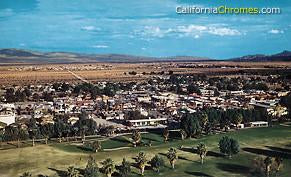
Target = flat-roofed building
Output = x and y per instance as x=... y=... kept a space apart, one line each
x=148 y=122
x=259 y=124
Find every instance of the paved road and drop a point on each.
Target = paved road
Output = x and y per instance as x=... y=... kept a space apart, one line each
x=78 y=77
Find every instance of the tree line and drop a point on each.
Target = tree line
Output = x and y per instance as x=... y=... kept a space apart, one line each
x=60 y=129
x=207 y=120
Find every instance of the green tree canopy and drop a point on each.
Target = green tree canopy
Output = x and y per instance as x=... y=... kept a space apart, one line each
x=228 y=146
x=157 y=162
x=91 y=169
x=124 y=169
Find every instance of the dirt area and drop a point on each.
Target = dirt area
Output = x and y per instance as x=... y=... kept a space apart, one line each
x=35 y=74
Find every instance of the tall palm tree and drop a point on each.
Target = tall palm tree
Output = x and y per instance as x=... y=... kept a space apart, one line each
x=108 y=167
x=141 y=161
x=136 y=137
x=18 y=130
x=203 y=119
x=32 y=129
x=268 y=163
x=96 y=146
x=172 y=156
x=166 y=134
x=201 y=150
x=183 y=134
x=278 y=161
x=84 y=128
x=47 y=131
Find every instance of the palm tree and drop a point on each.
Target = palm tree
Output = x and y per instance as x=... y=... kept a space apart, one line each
x=46 y=131
x=108 y=167
x=172 y=156
x=124 y=169
x=141 y=162
x=166 y=134
x=26 y=174
x=72 y=172
x=91 y=169
x=183 y=134
x=268 y=163
x=203 y=119
x=201 y=150
x=32 y=129
x=33 y=135
x=278 y=161
x=136 y=137
x=21 y=134
x=96 y=146
x=84 y=128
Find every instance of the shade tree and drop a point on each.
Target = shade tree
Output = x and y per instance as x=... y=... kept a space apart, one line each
x=156 y=163
x=91 y=169
x=190 y=124
x=124 y=169
x=228 y=146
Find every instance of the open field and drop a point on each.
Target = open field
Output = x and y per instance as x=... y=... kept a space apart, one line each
x=56 y=158
x=24 y=74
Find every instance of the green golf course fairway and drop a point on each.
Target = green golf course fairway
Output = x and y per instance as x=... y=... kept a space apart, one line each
x=254 y=142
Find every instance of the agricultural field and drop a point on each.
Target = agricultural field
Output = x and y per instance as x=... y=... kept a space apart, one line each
x=257 y=142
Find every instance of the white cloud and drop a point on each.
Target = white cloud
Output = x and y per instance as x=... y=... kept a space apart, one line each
x=154 y=31
x=195 y=31
x=89 y=28
x=223 y=31
x=220 y=31
x=276 y=31
x=100 y=46
x=191 y=28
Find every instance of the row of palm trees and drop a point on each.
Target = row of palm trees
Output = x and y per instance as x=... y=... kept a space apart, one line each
x=266 y=166
x=109 y=167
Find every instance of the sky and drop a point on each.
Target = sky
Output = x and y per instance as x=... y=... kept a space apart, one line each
x=143 y=28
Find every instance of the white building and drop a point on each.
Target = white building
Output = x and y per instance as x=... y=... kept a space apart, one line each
x=7 y=114
x=259 y=124
x=148 y=122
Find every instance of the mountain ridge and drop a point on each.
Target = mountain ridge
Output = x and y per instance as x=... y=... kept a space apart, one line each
x=282 y=56
x=11 y=55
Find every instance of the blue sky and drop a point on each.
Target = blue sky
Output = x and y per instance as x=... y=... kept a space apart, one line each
x=147 y=28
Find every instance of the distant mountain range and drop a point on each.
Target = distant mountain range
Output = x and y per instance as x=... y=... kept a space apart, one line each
x=26 y=56
x=33 y=57
x=283 y=56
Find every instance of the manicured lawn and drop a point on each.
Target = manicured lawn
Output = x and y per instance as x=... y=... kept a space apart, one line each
x=55 y=158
